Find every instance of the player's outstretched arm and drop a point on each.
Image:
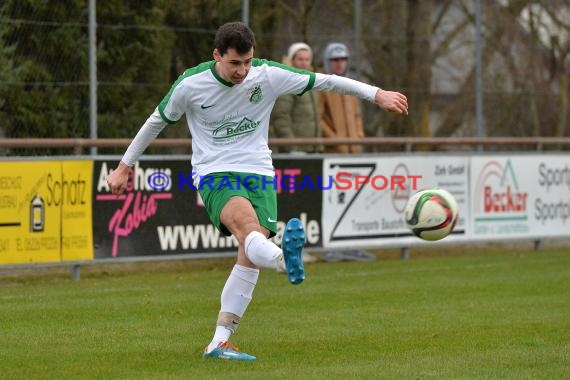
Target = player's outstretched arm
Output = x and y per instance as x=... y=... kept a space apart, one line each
x=117 y=180
x=391 y=101
x=387 y=100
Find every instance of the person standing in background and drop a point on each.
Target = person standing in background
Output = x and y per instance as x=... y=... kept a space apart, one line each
x=297 y=115
x=341 y=117
x=340 y=114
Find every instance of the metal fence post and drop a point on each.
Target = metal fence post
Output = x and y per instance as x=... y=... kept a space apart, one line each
x=93 y=73
x=75 y=272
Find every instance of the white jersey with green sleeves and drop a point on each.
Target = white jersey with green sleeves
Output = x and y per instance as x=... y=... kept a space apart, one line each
x=229 y=123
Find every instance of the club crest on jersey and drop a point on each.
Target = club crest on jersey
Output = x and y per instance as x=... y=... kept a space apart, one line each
x=255 y=94
x=231 y=131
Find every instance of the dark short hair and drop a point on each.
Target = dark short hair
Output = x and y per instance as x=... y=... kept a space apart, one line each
x=234 y=35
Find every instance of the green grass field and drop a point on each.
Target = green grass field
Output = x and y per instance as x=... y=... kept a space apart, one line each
x=502 y=314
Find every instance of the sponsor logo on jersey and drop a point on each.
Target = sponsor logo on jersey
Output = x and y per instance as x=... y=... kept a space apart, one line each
x=229 y=132
x=255 y=94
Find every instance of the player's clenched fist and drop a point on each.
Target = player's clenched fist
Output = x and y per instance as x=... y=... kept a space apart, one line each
x=392 y=101
x=118 y=179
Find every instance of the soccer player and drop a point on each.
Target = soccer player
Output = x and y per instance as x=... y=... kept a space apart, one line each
x=227 y=102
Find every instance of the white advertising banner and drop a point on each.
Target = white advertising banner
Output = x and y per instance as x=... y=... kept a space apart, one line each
x=364 y=205
x=551 y=205
x=520 y=196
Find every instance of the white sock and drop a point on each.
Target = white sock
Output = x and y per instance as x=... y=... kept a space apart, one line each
x=236 y=295
x=221 y=334
x=262 y=252
x=281 y=267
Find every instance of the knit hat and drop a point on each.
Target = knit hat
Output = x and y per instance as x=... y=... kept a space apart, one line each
x=294 y=48
x=337 y=50
x=332 y=51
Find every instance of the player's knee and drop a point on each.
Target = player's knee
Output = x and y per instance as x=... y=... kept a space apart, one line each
x=242 y=228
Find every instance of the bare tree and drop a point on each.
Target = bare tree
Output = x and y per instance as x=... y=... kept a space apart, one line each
x=525 y=73
x=419 y=61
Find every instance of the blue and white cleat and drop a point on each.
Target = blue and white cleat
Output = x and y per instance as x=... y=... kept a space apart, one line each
x=226 y=350
x=292 y=247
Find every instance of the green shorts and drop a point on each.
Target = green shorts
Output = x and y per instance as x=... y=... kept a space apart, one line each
x=216 y=189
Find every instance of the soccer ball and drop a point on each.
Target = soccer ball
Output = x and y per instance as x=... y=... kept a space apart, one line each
x=431 y=214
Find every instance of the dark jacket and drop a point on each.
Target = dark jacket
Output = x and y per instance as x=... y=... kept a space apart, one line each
x=297 y=116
